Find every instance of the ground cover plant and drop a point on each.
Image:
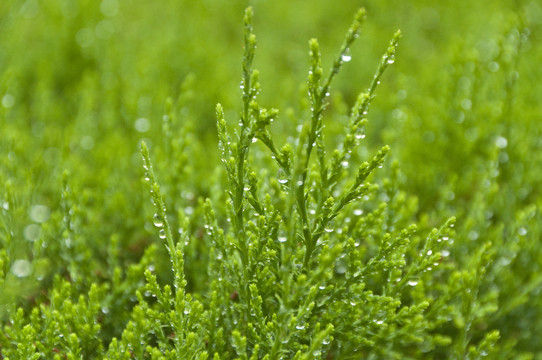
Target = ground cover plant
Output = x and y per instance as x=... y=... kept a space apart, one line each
x=384 y=205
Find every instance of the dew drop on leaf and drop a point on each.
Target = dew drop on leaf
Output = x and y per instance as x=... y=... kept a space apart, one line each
x=281 y=177
x=360 y=136
x=157 y=220
x=346 y=57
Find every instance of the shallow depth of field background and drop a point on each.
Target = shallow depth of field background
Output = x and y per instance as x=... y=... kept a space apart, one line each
x=83 y=82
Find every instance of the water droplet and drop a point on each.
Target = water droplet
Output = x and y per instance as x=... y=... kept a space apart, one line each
x=5 y=205
x=247 y=187
x=340 y=269
x=186 y=311
x=300 y=326
x=445 y=253
x=360 y=136
x=466 y=104
x=254 y=140
x=473 y=235
x=151 y=268
x=493 y=66
x=8 y=101
x=39 y=213
x=329 y=227
x=162 y=234
x=326 y=340
x=358 y=212
x=501 y=142
x=109 y=7
x=391 y=59
x=317 y=353
x=412 y=282
x=87 y=142
x=32 y=232
x=21 y=268
x=142 y=125
x=346 y=57
x=344 y=163
x=157 y=220
x=282 y=177
x=105 y=310
x=522 y=231
x=282 y=239
x=429 y=252
x=321 y=287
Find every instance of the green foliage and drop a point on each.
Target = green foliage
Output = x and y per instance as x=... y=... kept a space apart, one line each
x=309 y=242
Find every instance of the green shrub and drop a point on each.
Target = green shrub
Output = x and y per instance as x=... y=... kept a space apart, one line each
x=307 y=243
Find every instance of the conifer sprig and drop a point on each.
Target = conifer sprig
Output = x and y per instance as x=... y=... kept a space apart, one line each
x=161 y=222
x=331 y=259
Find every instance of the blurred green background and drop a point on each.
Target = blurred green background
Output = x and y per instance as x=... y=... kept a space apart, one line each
x=83 y=82
x=76 y=75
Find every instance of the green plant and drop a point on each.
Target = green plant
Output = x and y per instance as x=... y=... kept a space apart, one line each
x=304 y=245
